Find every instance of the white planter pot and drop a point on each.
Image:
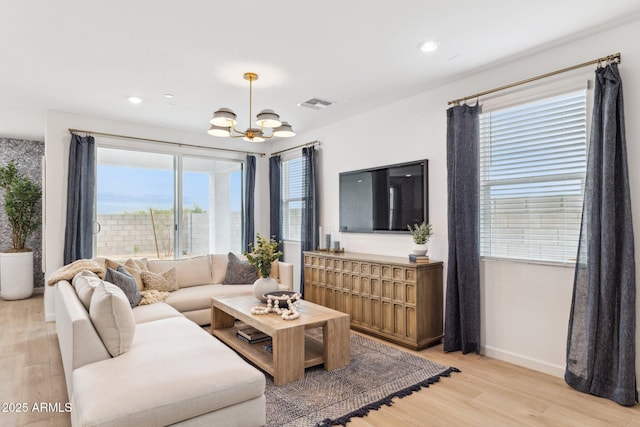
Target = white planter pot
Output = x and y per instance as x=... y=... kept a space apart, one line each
x=16 y=275
x=419 y=249
x=263 y=286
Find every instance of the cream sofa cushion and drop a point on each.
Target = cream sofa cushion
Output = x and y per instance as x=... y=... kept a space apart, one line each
x=219 y=267
x=111 y=315
x=199 y=297
x=190 y=272
x=152 y=312
x=180 y=371
x=84 y=284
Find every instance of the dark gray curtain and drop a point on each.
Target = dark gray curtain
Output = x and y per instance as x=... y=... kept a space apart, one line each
x=309 y=235
x=81 y=189
x=249 y=190
x=462 y=311
x=275 y=200
x=601 y=340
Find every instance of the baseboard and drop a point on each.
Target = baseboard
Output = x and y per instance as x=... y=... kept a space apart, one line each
x=527 y=362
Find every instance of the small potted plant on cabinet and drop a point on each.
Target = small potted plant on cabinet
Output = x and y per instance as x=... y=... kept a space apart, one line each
x=420 y=234
x=22 y=197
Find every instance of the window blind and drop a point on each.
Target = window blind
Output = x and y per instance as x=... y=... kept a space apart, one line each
x=532 y=169
x=292 y=173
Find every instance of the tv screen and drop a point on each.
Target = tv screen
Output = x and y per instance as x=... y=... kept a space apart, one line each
x=384 y=199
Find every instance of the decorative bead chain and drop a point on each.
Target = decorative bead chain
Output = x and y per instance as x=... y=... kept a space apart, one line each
x=273 y=305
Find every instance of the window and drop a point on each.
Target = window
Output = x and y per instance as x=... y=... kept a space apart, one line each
x=137 y=208
x=532 y=169
x=292 y=190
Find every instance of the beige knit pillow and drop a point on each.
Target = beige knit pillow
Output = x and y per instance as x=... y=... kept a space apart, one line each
x=111 y=315
x=160 y=282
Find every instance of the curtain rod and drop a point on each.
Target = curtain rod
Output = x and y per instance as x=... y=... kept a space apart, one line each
x=159 y=140
x=308 y=144
x=611 y=58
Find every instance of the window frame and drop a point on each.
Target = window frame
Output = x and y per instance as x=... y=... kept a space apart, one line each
x=285 y=202
x=178 y=153
x=523 y=97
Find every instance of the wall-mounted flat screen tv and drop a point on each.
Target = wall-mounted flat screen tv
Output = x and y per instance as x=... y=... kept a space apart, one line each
x=384 y=199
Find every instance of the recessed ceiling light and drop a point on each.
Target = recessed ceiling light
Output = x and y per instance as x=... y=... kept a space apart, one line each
x=168 y=95
x=428 y=46
x=135 y=100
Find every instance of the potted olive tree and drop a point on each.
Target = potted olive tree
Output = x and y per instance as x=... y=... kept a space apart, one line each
x=22 y=198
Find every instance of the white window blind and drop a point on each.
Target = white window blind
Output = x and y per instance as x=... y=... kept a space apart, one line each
x=532 y=168
x=291 y=181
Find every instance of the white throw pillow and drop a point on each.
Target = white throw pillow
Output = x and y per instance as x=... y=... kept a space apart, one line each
x=219 y=267
x=112 y=317
x=85 y=282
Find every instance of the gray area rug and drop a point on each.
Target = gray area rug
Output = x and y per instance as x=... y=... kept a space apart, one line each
x=376 y=375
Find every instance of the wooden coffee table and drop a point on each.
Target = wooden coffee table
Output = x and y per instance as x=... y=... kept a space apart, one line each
x=293 y=351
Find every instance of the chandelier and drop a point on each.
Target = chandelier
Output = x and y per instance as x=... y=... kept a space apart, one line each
x=224 y=122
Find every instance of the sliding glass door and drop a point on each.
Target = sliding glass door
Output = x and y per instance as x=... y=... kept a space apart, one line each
x=164 y=206
x=211 y=209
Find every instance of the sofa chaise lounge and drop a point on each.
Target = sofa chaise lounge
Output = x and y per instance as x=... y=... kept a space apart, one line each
x=172 y=371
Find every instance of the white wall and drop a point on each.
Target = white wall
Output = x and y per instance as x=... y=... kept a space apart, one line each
x=525 y=307
x=57 y=139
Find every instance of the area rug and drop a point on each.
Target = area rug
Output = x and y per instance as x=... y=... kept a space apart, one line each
x=376 y=375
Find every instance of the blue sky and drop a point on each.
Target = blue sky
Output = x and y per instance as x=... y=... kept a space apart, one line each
x=123 y=189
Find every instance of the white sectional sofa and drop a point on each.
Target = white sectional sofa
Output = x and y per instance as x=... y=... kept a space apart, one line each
x=172 y=371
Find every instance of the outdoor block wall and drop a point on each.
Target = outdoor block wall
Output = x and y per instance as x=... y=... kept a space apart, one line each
x=132 y=235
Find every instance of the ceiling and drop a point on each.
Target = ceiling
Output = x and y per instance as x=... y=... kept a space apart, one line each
x=87 y=57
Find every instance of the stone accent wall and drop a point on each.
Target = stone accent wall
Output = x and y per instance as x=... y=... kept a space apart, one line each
x=27 y=156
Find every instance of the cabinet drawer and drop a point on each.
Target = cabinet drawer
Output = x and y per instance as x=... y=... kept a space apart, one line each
x=328 y=263
x=374 y=270
x=346 y=281
x=365 y=285
x=375 y=288
x=387 y=289
x=397 y=273
x=355 y=267
x=356 y=284
x=410 y=293
x=410 y=275
x=365 y=269
x=398 y=291
x=386 y=272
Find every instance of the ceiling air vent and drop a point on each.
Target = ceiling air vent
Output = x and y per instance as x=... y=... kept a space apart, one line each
x=316 y=103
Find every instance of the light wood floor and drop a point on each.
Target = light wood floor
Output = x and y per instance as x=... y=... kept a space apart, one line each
x=486 y=393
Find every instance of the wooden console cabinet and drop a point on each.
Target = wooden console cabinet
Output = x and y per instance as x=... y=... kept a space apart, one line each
x=389 y=297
